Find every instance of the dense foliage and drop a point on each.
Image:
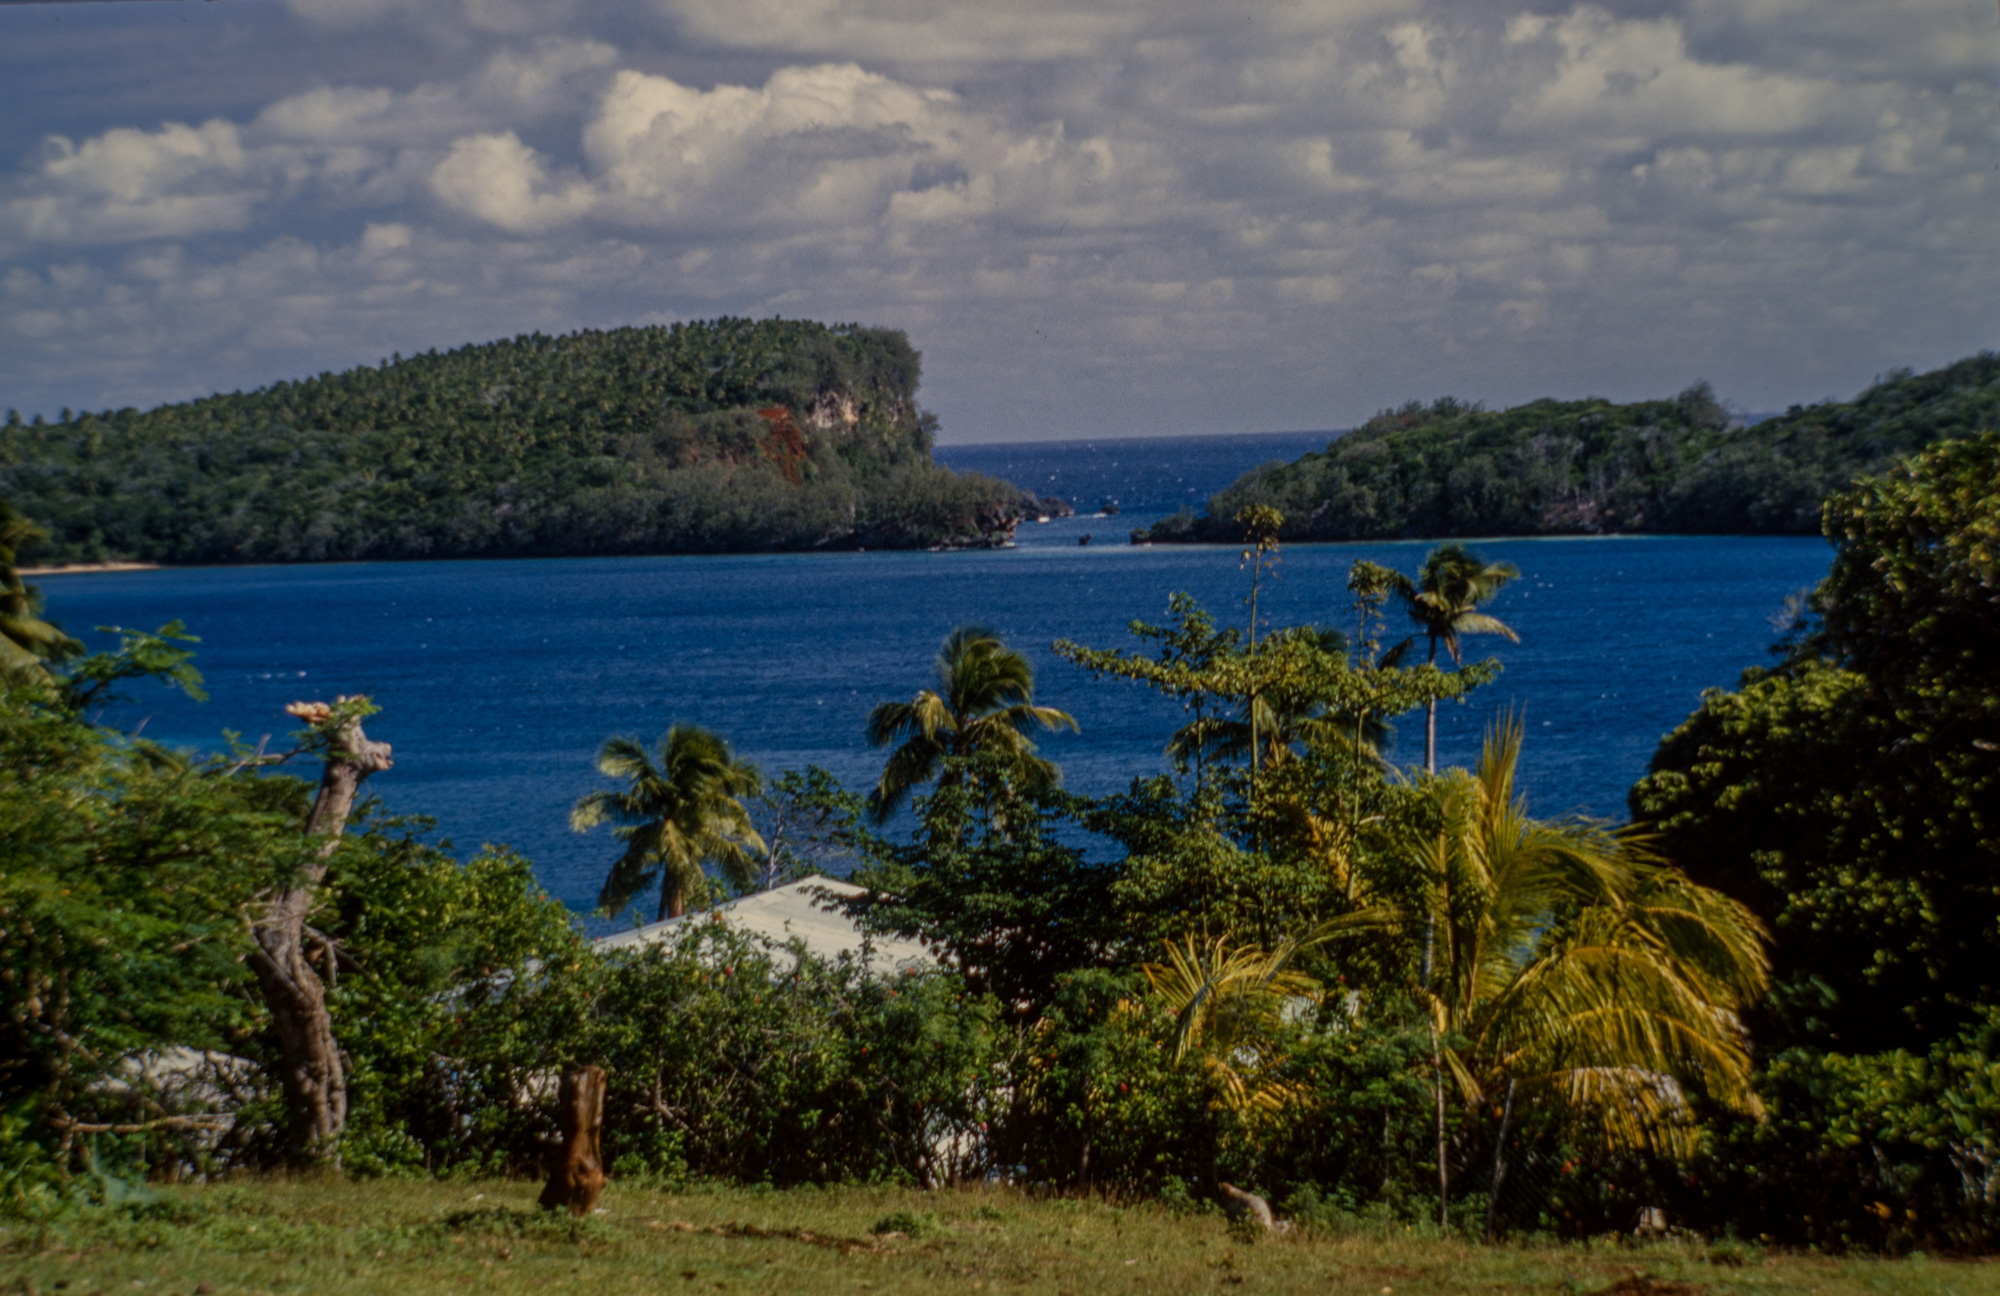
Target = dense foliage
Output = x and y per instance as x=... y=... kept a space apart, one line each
x=1277 y=962
x=726 y=435
x=1591 y=466
x=1848 y=795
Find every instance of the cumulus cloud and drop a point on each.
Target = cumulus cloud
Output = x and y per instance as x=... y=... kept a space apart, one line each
x=136 y=184
x=1172 y=214
x=503 y=181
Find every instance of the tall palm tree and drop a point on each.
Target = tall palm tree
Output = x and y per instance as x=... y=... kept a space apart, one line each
x=1571 y=965
x=673 y=817
x=26 y=641
x=1444 y=603
x=983 y=705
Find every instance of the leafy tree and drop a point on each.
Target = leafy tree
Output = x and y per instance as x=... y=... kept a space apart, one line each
x=1303 y=679
x=1286 y=719
x=994 y=885
x=89 y=685
x=1845 y=795
x=422 y=945
x=674 y=817
x=984 y=707
x=810 y=824
x=1244 y=859
x=124 y=872
x=26 y=641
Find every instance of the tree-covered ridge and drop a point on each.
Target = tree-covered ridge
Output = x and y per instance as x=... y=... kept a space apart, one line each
x=1591 y=466
x=724 y=435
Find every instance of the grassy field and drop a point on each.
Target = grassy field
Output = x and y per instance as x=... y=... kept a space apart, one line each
x=429 y=1237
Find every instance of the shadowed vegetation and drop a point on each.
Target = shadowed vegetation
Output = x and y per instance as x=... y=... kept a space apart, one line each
x=727 y=435
x=1587 y=467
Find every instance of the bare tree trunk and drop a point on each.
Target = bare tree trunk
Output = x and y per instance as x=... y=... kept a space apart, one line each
x=1444 y=1157
x=1430 y=767
x=314 y=1082
x=1499 y=1160
x=576 y=1169
x=1431 y=718
x=1083 y=1165
x=1388 y=1151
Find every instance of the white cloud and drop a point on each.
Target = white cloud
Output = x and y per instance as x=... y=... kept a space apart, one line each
x=134 y=184
x=503 y=182
x=999 y=30
x=1276 y=214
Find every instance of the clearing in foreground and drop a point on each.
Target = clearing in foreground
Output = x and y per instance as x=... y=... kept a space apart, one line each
x=423 y=1237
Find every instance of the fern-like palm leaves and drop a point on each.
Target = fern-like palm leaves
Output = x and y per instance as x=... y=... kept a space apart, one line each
x=983 y=705
x=1572 y=963
x=674 y=817
x=1230 y=1004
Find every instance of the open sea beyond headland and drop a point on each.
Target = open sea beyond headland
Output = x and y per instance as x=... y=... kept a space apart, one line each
x=498 y=680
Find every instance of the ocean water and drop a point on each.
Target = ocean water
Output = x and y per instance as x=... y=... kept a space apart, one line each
x=498 y=680
x=1150 y=476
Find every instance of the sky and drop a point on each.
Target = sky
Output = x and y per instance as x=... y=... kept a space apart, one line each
x=1129 y=217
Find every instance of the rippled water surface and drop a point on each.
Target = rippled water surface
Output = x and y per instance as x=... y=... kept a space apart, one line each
x=499 y=679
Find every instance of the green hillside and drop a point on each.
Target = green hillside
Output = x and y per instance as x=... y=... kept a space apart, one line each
x=718 y=436
x=1591 y=466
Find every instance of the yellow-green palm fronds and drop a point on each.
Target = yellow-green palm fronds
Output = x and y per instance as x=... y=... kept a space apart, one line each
x=1567 y=958
x=1230 y=1005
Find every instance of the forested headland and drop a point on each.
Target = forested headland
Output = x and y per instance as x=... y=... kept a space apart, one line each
x=1586 y=467
x=727 y=435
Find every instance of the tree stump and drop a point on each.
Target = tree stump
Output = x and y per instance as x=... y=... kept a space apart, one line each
x=576 y=1169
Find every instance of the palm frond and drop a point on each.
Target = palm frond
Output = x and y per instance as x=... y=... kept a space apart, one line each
x=1229 y=1004
x=911 y=765
x=926 y=716
x=1466 y=623
x=625 y=758
x=1570 y=958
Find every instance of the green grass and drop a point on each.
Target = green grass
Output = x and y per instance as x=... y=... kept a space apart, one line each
x=434 y=1237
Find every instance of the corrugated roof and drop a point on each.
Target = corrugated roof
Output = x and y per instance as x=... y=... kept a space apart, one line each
x=797 y=911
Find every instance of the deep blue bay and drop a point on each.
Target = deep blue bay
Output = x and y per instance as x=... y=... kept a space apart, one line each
x=498 y=680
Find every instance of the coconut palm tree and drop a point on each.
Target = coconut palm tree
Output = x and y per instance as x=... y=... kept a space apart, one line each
x=674 y=817
x=26 y=641
x=983 y=706
x=1571 y=965
x=1444 y=603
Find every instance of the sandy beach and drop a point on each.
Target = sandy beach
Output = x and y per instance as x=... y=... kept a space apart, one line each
x=72 y=569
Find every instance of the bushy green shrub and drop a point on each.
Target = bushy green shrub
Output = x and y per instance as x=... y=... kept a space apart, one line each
x=731 y=1060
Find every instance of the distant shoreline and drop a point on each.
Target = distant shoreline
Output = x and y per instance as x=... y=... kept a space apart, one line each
x=72 y=569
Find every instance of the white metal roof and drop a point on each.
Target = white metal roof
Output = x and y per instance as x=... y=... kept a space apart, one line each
x=798 y=911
